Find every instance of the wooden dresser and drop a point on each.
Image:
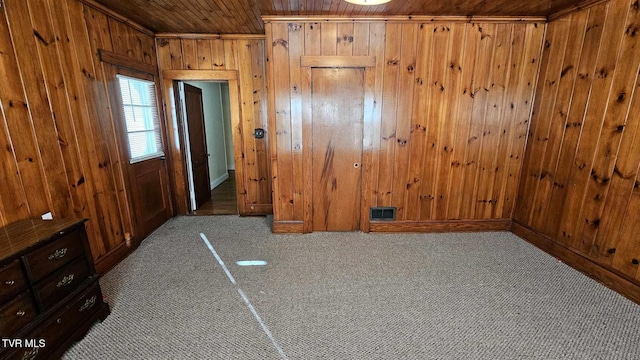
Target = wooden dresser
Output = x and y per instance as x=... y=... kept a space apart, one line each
x=49 y=291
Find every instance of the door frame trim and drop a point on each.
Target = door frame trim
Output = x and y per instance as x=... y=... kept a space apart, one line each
x=176 y=133
x=368 y=133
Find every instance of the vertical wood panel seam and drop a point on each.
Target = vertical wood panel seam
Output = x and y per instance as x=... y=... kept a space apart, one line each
x=532 y=99
x=501 y=116
x=456 y=112
x=478 y=173
x=50 y=107
x=633 y=94
x=548 y=130
x=555 y=172
x=606 y=108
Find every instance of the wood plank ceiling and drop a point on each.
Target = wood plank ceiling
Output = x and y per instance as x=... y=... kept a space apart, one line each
x=244 y=16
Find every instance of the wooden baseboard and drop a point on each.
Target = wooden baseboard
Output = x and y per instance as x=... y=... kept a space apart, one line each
x=434 y=226
x=287 y=227
x=215 y=182
x=112 y=258
x=258 y=209
x=607 y=277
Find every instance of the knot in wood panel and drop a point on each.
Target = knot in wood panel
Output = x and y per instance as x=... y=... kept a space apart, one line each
x=617 y=172
x=566 y=70
x=598 y=179
x=40 y=37
x=283 y=42
x=295 y=27
x=345 y=38
x=603 y=73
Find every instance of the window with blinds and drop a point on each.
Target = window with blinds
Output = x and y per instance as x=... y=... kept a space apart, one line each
x=142 y=123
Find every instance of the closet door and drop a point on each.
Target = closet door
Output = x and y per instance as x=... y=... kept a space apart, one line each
x=337 y=126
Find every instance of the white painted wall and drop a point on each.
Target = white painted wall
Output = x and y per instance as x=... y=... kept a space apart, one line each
x=215 y=130
x=231 y=165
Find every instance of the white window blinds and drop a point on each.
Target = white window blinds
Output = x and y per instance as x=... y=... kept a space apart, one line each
x=142 y=124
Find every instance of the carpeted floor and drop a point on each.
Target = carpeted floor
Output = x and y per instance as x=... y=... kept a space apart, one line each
x=353 y=296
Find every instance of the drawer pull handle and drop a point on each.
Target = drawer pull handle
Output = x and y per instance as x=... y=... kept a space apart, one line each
x=31 y=354
x=9 y=282
x=58 y=254
x=88 y=304
x=20 y=313
x=65 y=280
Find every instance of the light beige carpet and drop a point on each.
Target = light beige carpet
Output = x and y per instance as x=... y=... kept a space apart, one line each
x=353 y=296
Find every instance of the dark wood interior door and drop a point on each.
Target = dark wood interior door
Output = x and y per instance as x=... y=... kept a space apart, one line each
x=197 y=144
x=337 y=123
x=152 y=206
x=148 y=180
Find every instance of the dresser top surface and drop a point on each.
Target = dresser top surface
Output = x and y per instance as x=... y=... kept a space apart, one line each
x=22 y=235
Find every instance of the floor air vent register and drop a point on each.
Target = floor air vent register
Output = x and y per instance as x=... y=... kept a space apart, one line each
x=382 y=213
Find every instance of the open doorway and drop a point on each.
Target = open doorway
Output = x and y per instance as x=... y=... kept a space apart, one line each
x=209 y=147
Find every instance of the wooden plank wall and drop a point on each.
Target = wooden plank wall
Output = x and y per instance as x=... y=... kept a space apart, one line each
x=59 y=150
x=452 y=106
x=580 y=186
x=246 y=55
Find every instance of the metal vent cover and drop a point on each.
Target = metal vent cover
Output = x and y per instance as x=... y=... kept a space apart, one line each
x=382 y=213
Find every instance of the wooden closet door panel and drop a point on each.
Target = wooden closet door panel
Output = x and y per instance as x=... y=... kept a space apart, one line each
x=337 y=127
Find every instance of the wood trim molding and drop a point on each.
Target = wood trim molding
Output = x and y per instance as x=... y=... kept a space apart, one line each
x=406 y=18
x=287 y=227
x=109 y=260
x=581 y=5
x=337 y=61
x=603 y=275
x=200 y=75
x=259 y=209
x=126 y=62
x=176 y=134
x=115 y=15
x=436 y=226
x=210 y=36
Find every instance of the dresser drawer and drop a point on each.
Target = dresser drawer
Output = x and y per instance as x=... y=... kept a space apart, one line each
x=12 y=280
x=53 y=256
x=55 y=287
x=60 y=325
x=16 y=314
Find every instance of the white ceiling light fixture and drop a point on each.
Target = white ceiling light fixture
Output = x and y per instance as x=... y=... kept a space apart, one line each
x=367 y=2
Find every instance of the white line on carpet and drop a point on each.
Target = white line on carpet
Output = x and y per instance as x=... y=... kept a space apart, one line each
x=213 y=251
x=244 y=298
